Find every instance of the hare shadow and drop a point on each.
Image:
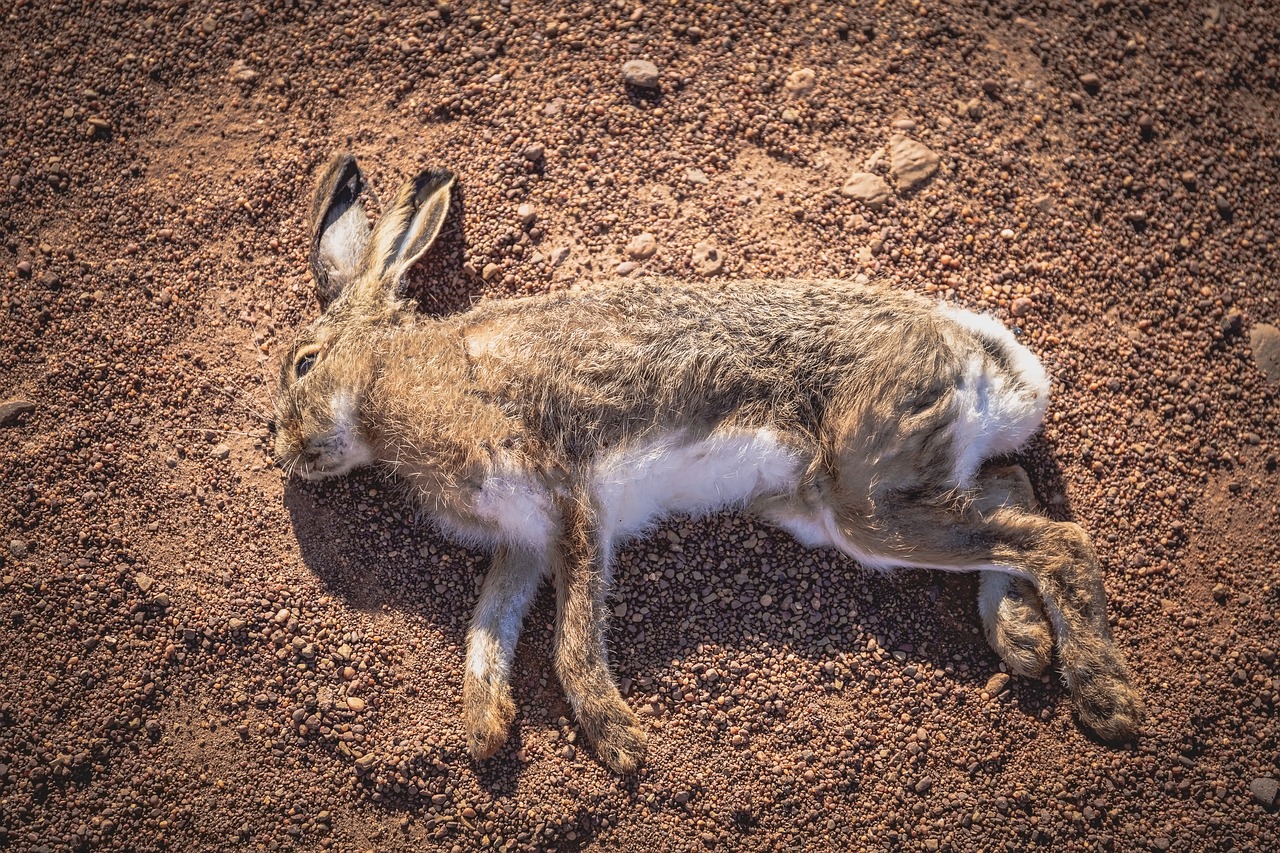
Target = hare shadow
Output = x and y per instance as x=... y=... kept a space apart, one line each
x=829 y=605
x=368 y=547
x=366 y=544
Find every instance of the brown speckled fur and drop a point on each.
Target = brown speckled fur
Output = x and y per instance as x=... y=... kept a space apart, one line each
x=859 y=381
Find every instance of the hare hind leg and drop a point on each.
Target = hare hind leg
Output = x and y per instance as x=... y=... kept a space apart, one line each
x=1057 y=557
x=1011 y=610
x=579 y=571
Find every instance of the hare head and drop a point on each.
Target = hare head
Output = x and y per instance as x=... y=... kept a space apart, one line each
x=358 y=272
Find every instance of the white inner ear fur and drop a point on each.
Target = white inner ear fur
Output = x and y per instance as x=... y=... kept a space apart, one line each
x=343 y=244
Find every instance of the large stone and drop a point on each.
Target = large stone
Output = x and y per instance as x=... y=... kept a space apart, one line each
x=641 y=73
x=1265 y=341
x=910 y=162
x=867 y=188
x=1264 y=790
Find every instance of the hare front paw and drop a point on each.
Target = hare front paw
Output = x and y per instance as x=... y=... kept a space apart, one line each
x=487 y=714
x=616 y=733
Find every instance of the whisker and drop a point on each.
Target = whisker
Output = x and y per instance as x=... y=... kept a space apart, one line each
x=239 y=398
x=219 y=431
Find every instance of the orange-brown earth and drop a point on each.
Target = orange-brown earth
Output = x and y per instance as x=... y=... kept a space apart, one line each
x=199 y=655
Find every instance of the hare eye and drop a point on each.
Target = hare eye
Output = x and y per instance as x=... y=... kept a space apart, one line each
x=303 y=364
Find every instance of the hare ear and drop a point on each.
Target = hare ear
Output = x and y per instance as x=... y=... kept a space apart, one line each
x=411 y=225
x=339 y=227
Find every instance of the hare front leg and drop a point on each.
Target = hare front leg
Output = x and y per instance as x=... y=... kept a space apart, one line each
x=509 y=588
x=579 y=569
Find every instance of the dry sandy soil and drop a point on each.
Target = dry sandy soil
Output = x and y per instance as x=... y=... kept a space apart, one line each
x=202 y=656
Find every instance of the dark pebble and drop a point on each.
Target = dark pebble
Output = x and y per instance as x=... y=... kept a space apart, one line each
x=13 y=410
x=1264 y=790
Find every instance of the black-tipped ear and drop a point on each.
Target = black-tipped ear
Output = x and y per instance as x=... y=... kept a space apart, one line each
x=339 y=227
x=411 y=224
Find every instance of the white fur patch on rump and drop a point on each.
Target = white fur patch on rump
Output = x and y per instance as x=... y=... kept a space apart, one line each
x=1000 y=407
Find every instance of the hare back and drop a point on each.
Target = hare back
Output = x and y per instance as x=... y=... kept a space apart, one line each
x=589 y=370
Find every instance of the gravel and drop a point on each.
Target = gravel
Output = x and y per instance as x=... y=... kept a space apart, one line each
x=290 y=677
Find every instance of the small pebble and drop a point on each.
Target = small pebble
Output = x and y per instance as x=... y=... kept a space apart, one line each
x=13 y=411
x=707 y=259
x=867 y=188
x=910 y=162
x=642 y=246
x=801 y=81
x=1264 y=340
x=241 y=73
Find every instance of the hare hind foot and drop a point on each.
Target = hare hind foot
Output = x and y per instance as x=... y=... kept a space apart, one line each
x=487 y=714
x=614 y=730
x=1105 y=699
x=1011 y=609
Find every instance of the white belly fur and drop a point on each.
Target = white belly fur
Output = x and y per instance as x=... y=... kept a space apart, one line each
x=639 y=485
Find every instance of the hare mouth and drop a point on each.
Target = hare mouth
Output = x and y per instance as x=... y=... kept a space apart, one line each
x=331 y=457
x=316 y=468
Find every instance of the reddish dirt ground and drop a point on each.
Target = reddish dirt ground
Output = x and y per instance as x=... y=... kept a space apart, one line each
x=201 y=655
